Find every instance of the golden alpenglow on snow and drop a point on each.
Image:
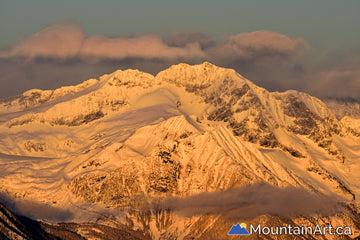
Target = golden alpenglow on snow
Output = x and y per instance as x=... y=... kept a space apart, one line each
x=187 y=153
x=180 y=120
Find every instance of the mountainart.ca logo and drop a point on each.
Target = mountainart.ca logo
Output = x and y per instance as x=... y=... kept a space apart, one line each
x=240 y=229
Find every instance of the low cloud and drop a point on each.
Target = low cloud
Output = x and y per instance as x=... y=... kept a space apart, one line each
x=258 y=44
x=61 y=40
x=85 y=212
x=184 y=38
x=66 y=40
x=62 y=54
x=254 y=200
x=336 y=82
x=35 y=210
x=144 y=47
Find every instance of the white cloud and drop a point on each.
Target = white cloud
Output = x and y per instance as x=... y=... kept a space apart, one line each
x=258 y=44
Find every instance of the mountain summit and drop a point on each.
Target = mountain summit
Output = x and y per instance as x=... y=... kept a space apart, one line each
x=186 y=131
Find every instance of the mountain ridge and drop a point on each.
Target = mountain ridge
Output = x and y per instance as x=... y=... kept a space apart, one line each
x=185 y=131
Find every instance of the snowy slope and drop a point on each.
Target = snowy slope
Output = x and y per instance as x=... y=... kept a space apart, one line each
x=188 y=130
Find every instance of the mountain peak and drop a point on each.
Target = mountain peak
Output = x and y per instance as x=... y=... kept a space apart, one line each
x=189 y=130
x=201 y=75
x=129 y=77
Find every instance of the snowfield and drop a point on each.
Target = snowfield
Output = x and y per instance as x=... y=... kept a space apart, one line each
x=95 y=149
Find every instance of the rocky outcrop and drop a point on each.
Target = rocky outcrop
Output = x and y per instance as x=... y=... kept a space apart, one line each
x=130 y=138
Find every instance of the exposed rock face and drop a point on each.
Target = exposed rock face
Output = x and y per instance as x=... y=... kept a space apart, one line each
x=129 y=138
x=34 y=146
x=172 y=167
x=116 y=188
x=254 y=113
x=352 y=125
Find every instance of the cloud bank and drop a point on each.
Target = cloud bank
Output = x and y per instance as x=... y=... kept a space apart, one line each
x=35 y=210
x=66 y=40
x=60 y=41
x=258 y=44
x=254 y=200
x=63 y=54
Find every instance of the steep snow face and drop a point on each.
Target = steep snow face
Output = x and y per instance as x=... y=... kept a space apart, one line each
x=188 y=130
x=254 y=113
x=352 y=125
x=205 y=95
x=79 y=107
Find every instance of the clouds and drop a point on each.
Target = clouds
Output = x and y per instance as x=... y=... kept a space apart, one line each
x=143 y=47
x=66 y=40
x=258 y=44
x=35 y=210
x=254 y=200
x=184 y=38
x=62 y=40
x=336 y=82
x=63 y=53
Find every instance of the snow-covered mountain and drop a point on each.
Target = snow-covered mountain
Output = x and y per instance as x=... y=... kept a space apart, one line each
x=130 y=137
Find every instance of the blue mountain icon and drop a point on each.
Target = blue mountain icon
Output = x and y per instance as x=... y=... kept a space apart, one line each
x=238 y=230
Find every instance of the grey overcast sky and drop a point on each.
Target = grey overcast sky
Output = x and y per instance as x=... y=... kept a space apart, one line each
x=323 y=23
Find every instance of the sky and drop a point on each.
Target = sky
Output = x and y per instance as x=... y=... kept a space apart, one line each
x=311 y=46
